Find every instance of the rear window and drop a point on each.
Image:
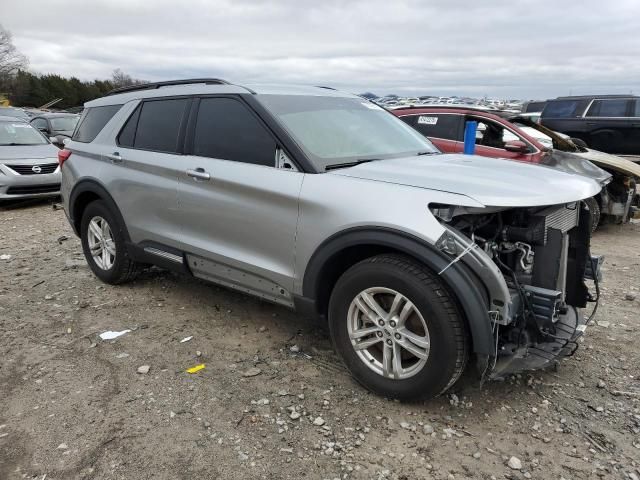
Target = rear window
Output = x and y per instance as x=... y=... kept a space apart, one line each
x=561 y=109
x=93 y=121
x=608 y=108
x=443 y=126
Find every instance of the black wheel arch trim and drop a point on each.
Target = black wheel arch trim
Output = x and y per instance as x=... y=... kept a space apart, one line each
x=93 y=186
x=466 y=287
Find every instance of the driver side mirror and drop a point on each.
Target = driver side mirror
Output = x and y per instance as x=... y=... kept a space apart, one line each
x=516 y=146
x=44 y=130
x=57 y=141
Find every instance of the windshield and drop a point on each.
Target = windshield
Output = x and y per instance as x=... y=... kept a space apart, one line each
x=340 y=131
x=18 y=133
x=64 y=124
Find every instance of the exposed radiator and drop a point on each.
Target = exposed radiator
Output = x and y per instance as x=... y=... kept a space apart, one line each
x=562 y=218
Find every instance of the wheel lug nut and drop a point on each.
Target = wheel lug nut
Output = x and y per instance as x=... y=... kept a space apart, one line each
x=381 y=323
x=393 y=324
x=397 y=336
x=389 y=342
x=379 y=334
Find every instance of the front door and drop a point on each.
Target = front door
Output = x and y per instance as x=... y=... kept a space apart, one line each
x=238 y=210
x=491 y=138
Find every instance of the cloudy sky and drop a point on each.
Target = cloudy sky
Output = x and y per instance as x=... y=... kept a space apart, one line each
x=502 y=48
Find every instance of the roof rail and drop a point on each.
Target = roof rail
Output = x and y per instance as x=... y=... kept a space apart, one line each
x=169 y=83
x=325 y=87
x=617 y=95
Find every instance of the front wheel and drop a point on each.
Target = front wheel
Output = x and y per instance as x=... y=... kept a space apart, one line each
x=397 y=328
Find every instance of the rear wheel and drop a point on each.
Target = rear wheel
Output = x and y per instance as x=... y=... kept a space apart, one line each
x=103 y=244
x=397 y=328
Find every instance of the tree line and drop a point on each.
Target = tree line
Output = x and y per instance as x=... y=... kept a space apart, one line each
x=26 y=89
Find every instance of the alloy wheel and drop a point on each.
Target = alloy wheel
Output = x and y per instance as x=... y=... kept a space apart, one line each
x=101 y=243
x=388 y=333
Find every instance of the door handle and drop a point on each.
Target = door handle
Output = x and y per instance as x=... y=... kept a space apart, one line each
x=115 y=157
x=198 y=174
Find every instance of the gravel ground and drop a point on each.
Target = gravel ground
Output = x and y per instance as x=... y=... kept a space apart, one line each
x=273 y=400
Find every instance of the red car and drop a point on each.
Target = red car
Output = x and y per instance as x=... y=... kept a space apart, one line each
x=496 y=137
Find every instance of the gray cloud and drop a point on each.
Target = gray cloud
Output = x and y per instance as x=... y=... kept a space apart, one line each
x=504 y=48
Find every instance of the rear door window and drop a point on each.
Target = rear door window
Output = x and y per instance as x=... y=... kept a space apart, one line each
x=637 y=109
x=609 y=108
x=561 y=109
x=93 y=121
x=445 y=126
x=227 y=129
x=158 y=125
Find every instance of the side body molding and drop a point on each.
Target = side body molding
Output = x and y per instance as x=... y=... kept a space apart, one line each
x=466 y=287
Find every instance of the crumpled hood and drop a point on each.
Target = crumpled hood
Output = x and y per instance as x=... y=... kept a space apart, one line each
x=28 y=152
x=490 y=181
x=575 y=164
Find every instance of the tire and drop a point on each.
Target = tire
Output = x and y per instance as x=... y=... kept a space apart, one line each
x=594 y=213
x=118 y=267
x=436 y=319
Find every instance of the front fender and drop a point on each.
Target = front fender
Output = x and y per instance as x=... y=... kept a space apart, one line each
x=465 y=286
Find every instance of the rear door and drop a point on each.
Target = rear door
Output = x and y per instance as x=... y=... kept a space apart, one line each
x=611 y=126
x=445 y=130
x=143 y=171
x=238 y=209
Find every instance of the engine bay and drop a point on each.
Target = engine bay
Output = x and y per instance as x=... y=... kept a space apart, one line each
x=543 y=254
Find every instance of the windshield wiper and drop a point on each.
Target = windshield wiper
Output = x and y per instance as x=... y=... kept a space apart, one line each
x=349 y=164
x=14 y=144
x=426 y=153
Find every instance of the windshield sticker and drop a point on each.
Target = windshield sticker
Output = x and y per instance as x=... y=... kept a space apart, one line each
x=371 y=106
x=427 y=120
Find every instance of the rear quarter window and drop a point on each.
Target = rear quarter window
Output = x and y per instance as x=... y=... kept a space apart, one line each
x=436 y=125
x=609 y=108
x=93 y=121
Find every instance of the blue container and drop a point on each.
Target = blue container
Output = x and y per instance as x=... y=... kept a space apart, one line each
x=470 y=137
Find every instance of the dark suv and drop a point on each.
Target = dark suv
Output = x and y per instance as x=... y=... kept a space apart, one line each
x=609 y=123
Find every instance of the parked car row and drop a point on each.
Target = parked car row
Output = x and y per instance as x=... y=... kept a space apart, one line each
x=422 y=262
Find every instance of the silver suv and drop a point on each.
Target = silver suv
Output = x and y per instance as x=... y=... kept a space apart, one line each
x=324 y=202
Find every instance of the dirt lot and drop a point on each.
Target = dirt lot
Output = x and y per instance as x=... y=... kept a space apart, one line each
x=74 y=406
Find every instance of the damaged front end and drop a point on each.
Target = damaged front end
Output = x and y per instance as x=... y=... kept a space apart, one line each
x=533 y=263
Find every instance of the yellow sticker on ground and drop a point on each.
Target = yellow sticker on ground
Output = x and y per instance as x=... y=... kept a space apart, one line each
x=195 y=369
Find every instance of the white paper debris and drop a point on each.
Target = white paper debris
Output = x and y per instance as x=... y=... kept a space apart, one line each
x=5 y=257
x=185 y=339
x=111 y=335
